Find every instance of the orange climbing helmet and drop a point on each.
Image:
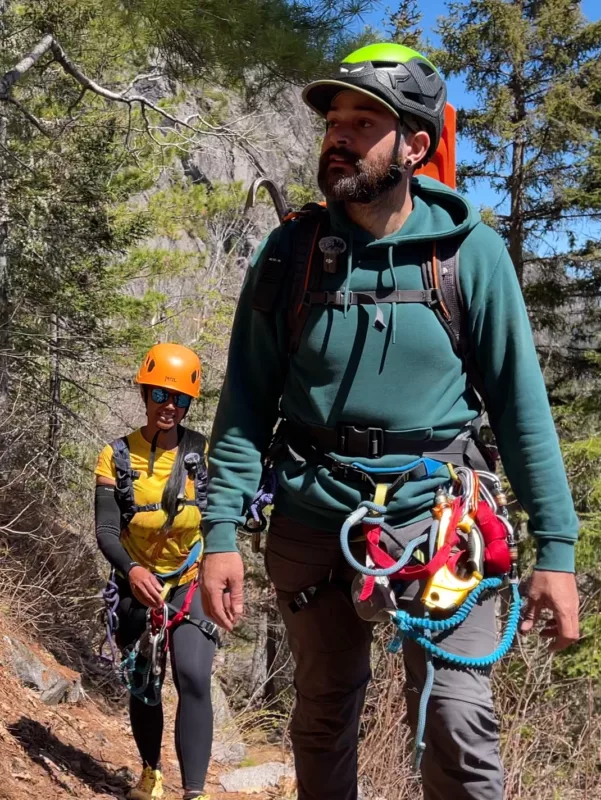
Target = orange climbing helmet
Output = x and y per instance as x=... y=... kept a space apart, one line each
x=171 y=366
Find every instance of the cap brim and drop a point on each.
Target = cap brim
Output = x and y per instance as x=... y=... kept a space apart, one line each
x=319 y=95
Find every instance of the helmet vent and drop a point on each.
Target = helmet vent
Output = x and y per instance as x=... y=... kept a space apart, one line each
x=194 y=376
x=421 y=100
x=426 y=69
x=151 y=366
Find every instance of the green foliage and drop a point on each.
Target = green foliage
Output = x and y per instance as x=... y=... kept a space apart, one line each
x=248 y=43
x=298 y=195
x=534 y=71
x=404 y=24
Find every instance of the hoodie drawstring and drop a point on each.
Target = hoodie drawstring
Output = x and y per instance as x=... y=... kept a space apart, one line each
x=379 y=323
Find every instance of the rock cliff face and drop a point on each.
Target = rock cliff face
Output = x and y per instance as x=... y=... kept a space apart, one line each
x=278 y=139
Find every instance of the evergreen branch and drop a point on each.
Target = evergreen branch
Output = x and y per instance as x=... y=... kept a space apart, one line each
x=30 y=117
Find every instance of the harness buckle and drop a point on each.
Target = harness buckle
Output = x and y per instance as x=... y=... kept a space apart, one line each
x=209 y=628
x=360 y=442
x=436 y=298
x=302 y=599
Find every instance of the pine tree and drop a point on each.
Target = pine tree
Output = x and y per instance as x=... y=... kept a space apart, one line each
x=74 y=144
x=250 y=43
x=534 y=69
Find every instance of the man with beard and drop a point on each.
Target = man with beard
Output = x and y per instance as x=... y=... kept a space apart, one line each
x=371 y=377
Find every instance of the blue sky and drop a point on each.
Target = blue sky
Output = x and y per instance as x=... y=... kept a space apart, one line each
x=458 y=96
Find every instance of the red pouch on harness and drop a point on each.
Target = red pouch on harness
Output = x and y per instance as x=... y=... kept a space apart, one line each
x=497 y=560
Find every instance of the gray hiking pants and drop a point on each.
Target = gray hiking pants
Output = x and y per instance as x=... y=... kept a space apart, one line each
x=331 y=649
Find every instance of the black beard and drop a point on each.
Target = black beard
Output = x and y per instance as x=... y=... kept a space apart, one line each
x=368 y=182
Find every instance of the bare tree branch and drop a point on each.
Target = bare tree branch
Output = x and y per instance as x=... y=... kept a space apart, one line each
x=50 y=44
x=17 y=72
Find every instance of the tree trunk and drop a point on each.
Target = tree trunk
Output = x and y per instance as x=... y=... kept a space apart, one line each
x=271 y=649
x=265 y=654
x=4 y=269
x=517 y=233
x=54 y=419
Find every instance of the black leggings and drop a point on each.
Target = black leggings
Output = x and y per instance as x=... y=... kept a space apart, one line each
x=191 y=660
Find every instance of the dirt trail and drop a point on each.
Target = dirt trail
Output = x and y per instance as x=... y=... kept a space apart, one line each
x=85 y=750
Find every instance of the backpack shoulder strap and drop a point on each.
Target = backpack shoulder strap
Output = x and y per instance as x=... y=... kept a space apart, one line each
x=300 y=272
x=306 y=272
x=196 y=468
x=124 y=483
x=441 y=272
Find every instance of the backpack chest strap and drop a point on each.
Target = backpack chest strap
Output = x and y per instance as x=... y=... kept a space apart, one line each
x=429 y=297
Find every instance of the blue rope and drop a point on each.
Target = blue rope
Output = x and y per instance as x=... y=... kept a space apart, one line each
x=420 y=731
x=135 y=675
x=416 y=627
x=357 y=517
x=420 y=630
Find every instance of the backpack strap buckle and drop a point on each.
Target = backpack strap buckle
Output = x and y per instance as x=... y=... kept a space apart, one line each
x=436 y=298
x=360 y=442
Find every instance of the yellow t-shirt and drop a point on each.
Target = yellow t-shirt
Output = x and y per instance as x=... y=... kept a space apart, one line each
x=143 y=540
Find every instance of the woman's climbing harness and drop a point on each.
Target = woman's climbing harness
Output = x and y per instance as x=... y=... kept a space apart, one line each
x=471 y=552
x=142 y=668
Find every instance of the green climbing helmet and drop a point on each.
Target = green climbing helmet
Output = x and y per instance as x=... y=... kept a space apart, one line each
x=400 y=78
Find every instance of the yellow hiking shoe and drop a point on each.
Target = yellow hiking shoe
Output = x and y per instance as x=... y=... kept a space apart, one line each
x=150 y=785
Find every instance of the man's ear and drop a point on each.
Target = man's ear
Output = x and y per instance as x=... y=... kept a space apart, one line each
x=416 y=147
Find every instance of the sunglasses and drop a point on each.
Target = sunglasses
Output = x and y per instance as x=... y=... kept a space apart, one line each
x=162 y=395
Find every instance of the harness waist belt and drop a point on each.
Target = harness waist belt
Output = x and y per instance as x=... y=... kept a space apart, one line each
x=355 y=441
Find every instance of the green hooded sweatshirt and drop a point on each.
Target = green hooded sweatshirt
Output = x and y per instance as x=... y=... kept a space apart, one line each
x=404 y=378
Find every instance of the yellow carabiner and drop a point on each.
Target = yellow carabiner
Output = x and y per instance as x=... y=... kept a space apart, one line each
x=445 y=591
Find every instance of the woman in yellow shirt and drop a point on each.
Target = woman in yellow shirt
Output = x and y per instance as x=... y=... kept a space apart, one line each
x=150 y=492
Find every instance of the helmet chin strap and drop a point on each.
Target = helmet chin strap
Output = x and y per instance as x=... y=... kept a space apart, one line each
x=396 y=170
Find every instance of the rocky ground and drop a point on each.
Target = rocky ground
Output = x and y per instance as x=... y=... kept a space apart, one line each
x=84 y=749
